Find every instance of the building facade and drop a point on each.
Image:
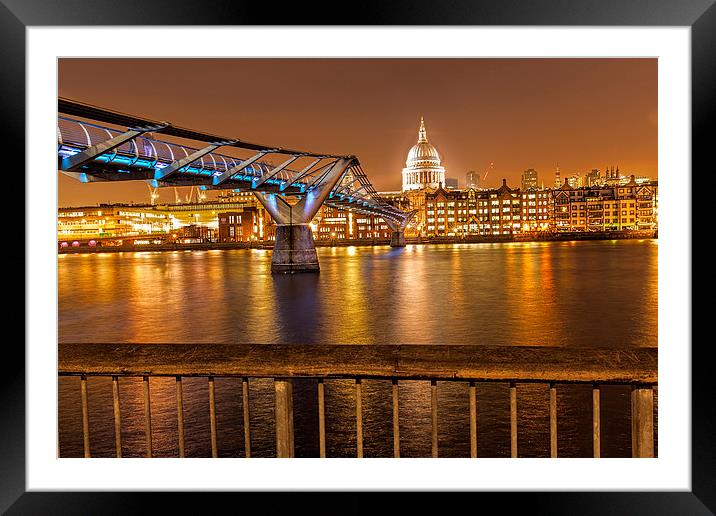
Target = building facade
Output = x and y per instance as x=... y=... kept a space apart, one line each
x=111 y=221
x=472 y=180
x=422 y=168
x=529 y=179
x=451 y=183
x=117 y=221
x=241 y=226
x=615 y=207
x=333 y=223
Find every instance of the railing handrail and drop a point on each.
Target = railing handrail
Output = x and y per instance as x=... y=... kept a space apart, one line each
x=415 y=361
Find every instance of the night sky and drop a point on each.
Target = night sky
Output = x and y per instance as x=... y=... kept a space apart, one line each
x=517 y=113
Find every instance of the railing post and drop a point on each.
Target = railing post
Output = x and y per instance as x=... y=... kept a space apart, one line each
x=321 y=419
x=596 y=423
x=180 y=416
x=473 y=420
x=396 y=420
x=642 y=421
x=553 y=420
x=284 y=417
x=85 y=417
x=212 y=417
x=434 y=416
x=247 y=415
x=147 y=415
x=513 y=420
x=359 y=418
x=117 y=417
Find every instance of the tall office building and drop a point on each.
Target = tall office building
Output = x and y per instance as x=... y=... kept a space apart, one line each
x=557 y=179
x=472 y=180
x=593 y=177
x=529 y=179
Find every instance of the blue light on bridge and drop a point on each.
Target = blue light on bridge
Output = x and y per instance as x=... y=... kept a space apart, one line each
x=66 y=151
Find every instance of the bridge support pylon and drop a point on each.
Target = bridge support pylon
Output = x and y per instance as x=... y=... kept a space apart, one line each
x=397 y=236
x=294 y=250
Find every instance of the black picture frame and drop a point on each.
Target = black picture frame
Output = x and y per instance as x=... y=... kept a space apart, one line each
x=17 y=15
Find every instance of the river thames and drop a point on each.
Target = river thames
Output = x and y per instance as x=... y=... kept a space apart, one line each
x=576 y=294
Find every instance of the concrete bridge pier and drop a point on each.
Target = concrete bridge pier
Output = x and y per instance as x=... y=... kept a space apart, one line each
x=397 y=237
x=294 y=250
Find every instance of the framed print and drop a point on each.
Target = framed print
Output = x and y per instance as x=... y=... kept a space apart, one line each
x=451 y=251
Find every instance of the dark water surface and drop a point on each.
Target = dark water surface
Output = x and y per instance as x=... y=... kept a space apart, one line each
x=577 y=294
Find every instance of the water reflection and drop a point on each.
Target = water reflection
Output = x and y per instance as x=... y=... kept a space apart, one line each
x=558 y=293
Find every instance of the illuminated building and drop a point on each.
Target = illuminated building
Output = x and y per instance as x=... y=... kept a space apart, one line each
x=575 y=181
x=422 y=168
x=371 y=227
x=529 y=179
x=451 y=212
x=557 y=179
x=451 y=183
x=113 y=221
x=107 y=221
x=611 y=176
x=422 y=174
x=240 y=226
x=238 y=197
x=332 y=223
x=647 y=204
x=593 y=178
x=613 y=207
x=537 y=210
x=471 y=212
x=505 y=215
x=194 y=234
x=472 y=180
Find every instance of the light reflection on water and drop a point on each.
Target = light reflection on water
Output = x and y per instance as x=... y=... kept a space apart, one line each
x=548 y=293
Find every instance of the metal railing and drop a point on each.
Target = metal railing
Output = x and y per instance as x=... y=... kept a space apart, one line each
x=282 y=363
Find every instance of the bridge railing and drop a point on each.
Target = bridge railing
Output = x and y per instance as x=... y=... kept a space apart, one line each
x=74 y=135
x=552 y=366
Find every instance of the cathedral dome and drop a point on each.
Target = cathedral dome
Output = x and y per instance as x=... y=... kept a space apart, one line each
x=422 y=168
x=422 y=153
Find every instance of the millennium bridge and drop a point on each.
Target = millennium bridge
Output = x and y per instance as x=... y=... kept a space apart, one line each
x=97 y=144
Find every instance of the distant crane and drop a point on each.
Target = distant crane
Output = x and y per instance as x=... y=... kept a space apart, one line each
x=200 y=195
x=153 y=194
x=492 y=166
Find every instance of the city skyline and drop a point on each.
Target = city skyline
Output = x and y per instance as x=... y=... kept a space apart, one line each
x=579 y=113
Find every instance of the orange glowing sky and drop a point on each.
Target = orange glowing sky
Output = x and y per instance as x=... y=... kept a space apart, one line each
x=517 y=113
